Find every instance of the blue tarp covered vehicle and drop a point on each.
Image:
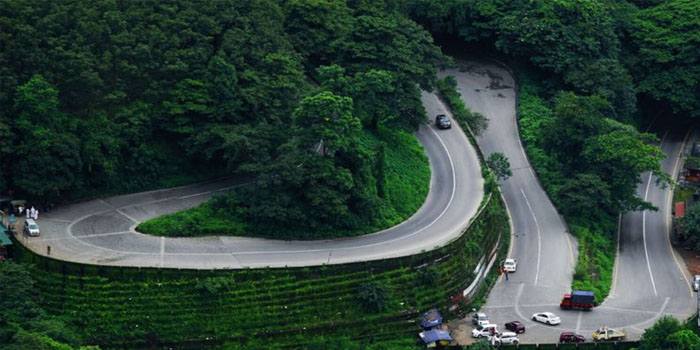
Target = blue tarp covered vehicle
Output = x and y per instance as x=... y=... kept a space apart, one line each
x=431 y=318
x=435 y=335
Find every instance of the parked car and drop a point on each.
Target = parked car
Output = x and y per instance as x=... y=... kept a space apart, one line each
x=696 y=282
x=505 y=338
x=546 y=318
x=510 y=265
x=571 y=337
x=515 y=326
x=479 y=319
x=31 y=228
x=485 y=330
x=442 y=122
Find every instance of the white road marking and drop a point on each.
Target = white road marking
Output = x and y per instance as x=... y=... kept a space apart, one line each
x=57 y=220
x=118 y=210
x=644 y=239
x=656 y=316
x=126 y=215
x=644 y=227
x=162 y=250
x=83 y=236
x=539 y=236
x=578 y=321
x=517 y=300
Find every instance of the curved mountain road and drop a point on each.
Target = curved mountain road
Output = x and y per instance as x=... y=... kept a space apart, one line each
x=546 y=251
x=102 y=231
x=650 y=281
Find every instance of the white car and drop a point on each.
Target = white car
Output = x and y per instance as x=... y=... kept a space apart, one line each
x=484 y=330
x=510 y=265
x=696 y=282
x=505 y=338
x=546 y=318
x=480 y=319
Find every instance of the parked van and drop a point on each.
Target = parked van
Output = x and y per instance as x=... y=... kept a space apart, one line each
x=31 y=228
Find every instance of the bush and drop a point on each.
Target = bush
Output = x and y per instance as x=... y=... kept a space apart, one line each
x=429 y=275
x=373 y=297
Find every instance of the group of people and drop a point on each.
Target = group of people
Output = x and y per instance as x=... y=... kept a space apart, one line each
x=32 y=213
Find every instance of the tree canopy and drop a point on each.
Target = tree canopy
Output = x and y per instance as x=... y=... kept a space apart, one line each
x=102 y=96
x=620 y=50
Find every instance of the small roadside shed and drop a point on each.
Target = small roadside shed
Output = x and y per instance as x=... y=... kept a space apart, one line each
x=4 y=242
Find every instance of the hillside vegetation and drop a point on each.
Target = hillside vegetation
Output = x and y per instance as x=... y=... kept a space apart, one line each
x=310 y=97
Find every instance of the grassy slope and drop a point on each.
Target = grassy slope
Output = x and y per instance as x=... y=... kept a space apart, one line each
x=407 y=177
x=596 y=240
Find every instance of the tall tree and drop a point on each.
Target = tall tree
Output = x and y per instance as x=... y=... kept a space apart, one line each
x=48 y=154
x=666 y=64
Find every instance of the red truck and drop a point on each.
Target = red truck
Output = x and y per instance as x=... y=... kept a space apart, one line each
x=578 y=299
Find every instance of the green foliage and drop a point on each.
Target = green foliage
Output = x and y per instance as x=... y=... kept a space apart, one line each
x=481 y=344
x=24 y=323
x=576 y=143
x=138 y=92
x=250 y=344
x=373 y=296
x=618 y=50
x=665 y=61
x=400 y=176
x=48 y=152
x=668 y=333
x=342 y=343
x=690 y=226
x=429 y=275
x=499 y=165
x=17 y=301
x=316 y=28
x=204 y=220
x=212 y=286
x=596 y=258
x=137 y=95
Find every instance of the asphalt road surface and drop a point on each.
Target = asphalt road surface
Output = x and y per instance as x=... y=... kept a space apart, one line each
x=102 y=231
x=650 y=280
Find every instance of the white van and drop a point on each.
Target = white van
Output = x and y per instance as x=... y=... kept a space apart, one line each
x=31 y=228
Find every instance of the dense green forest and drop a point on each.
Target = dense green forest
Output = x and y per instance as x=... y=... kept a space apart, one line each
x=117 y=96
x=110 y=96
x=103 y=97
